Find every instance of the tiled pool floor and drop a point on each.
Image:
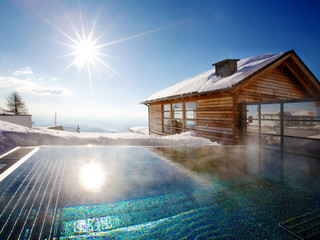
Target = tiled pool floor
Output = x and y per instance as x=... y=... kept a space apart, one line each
x=161 y=193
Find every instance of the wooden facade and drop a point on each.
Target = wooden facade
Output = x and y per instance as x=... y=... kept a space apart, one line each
x=217 y=115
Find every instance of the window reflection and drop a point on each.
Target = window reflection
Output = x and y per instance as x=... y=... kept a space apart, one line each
x=177 y=106
x=167 y=114
x=252 y=110
x=190 y=114
x=270 y=111
x=167 y=107
x=177 y=114
x=177 y=126
x=253 y=126
x=190 y=124
x=167 y=125
x=167 y=118
x=177 y=110
x=308 y=129
x=271 y=127
x=191 y=106
x=167 y=122
x=307 y=109
x=300 y=120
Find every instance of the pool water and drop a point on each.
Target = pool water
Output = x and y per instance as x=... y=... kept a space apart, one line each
x=157 y=192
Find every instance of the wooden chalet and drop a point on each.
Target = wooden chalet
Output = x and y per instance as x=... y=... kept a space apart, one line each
x=210 y=103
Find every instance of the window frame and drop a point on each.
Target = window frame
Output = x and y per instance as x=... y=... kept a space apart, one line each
x=164 y=110
x=179 y=115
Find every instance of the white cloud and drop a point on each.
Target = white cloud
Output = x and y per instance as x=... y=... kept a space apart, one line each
x=23 y=71
x=51 y=91
x=33 y=84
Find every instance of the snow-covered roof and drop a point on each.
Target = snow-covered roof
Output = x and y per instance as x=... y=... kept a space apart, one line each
x=208 y=81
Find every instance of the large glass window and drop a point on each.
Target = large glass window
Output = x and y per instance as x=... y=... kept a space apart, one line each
x=279 y=124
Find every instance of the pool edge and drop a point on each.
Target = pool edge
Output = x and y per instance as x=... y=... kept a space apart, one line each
x=17 y=164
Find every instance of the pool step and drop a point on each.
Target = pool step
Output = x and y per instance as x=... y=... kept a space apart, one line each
x=7 y=160
x=105 y=217
x=177 y=225
x=304 y=227
x=13 y=159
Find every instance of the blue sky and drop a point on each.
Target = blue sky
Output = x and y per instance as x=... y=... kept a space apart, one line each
x=145 y=46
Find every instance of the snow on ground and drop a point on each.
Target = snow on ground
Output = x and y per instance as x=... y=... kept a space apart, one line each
x=140 y=129
x=12 y=135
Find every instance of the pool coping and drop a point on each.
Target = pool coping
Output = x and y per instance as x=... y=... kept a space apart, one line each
x=15 y=163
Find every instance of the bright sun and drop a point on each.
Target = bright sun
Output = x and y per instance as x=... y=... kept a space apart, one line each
x=86 y=53
x=85 y=50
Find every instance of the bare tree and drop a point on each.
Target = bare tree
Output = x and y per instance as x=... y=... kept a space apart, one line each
x=15 y=104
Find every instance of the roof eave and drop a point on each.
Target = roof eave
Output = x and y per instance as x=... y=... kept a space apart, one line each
x=192 y=94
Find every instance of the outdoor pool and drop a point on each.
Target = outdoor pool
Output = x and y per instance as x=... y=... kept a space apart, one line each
x=217 y=192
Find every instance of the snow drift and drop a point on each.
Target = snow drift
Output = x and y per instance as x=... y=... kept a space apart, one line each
x=12 y=135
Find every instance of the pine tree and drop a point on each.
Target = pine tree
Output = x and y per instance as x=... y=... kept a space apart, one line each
x=15 y=104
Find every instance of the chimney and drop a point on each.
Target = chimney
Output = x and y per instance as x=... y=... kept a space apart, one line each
x=226 y=67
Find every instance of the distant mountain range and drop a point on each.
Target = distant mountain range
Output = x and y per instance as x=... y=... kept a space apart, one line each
x=91 y=126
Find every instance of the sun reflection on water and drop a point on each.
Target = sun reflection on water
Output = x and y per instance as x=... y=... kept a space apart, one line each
x=92 y=176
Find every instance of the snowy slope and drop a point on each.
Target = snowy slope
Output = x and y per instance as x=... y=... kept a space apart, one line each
x=208 y=81
x=12 y=135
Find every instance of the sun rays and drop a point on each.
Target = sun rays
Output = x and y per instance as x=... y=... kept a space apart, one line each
x=87 y=49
